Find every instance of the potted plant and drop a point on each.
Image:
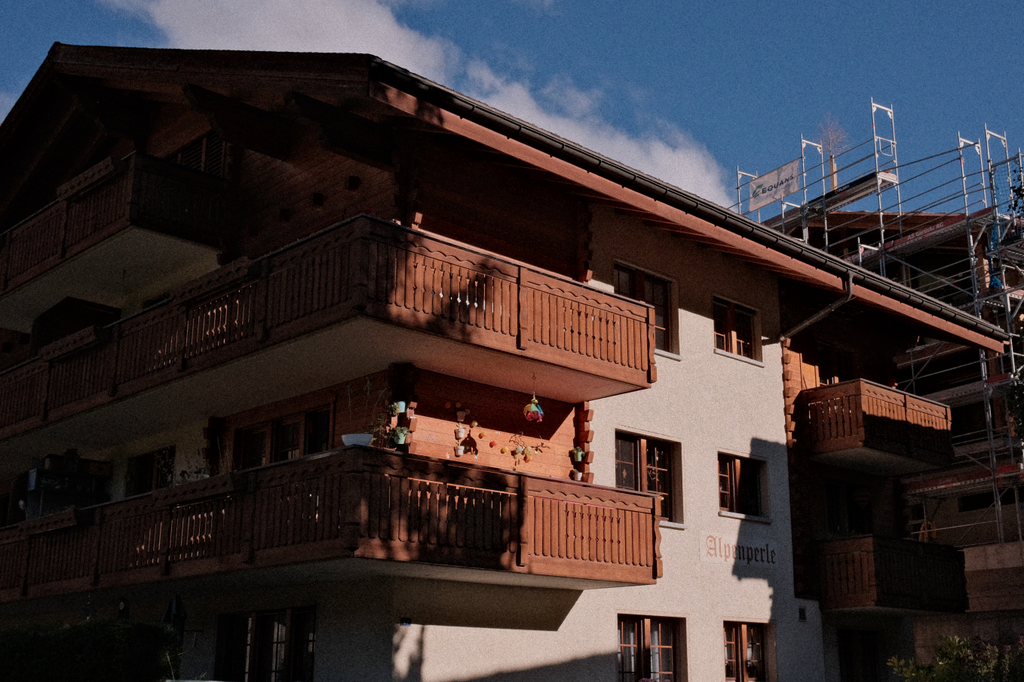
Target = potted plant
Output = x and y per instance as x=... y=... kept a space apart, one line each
x=399 y=434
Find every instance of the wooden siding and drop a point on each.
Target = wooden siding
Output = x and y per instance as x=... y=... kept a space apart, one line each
x=871 y=571
x=433 y=431
x=362 y=267
x=139 y=191
x=359 y=502
x=863 y=414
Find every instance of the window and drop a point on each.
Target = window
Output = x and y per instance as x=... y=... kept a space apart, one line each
x=148 y=472
x=205 y=154
x=651 y=290
x=848 y=508
x=736 y=329
x=645 y=464
x=739 y=485
x=834 y=365
x=283 y=439
x=648 y=649
x=266 y=646
x=744 y=652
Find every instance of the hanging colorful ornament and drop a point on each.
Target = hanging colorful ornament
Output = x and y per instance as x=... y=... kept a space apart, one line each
x=533 y=411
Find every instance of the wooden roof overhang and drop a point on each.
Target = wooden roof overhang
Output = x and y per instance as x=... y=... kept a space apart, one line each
x=671 y=208
x=208 y=80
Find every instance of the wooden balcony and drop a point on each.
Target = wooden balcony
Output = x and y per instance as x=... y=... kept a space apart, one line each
x=863 y=425
x=874 y=573
x=353 y=503
x=117 y=225
x=344 y=303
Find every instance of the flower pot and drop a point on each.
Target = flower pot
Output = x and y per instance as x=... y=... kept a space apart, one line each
x=357 y=438
x=461 y=432
x=401 y=406
x=399 y=438
x=461 y=450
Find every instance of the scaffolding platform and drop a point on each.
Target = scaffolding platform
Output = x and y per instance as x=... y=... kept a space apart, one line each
x=919 y=240
x=852 y=191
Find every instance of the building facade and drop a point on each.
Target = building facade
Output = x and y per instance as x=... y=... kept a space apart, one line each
x=592 y=448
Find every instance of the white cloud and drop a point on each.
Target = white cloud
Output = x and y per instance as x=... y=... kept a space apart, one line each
x=298 y=25
x=370 y=26
x=671 y=156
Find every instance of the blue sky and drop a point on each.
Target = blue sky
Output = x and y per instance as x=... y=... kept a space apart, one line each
x=687 y=91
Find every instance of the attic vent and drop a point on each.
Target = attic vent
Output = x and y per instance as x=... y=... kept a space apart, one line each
x=205 y=154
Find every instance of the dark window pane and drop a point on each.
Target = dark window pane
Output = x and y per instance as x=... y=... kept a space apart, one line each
x=748 y=488
x=286 y=439
x=253 y=447
x=625 y=281
x=744 y=332
x=303 y=644
x=232 y=648
x=722 y=336
x=318 y=430
x=629 y=645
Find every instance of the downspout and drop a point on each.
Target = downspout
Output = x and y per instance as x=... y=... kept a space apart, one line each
x=822 y=314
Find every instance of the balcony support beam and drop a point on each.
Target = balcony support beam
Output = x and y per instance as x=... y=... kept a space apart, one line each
x=244 y=125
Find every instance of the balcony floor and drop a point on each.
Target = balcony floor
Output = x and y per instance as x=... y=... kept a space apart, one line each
x=133 y=260
x=351 y=348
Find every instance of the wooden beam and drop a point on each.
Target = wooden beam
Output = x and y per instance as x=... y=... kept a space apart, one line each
x=345 y=133
x=243 y=124
x=117 y=113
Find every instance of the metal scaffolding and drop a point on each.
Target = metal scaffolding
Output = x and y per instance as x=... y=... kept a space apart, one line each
x=948 y=225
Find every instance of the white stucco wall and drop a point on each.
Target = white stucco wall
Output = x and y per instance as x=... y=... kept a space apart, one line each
x=708 y=403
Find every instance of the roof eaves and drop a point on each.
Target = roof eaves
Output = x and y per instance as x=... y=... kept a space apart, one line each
x=658 y=190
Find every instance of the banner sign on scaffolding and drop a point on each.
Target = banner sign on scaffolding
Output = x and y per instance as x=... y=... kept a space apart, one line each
x=774 y=185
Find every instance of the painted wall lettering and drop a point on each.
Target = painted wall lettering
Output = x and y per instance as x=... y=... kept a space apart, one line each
x=717 y=549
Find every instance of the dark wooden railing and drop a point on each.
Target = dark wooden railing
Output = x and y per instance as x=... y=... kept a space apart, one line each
x=362 y=267
x=140 y=191
x=357 y=502
x=863 y=414
x=870 y=571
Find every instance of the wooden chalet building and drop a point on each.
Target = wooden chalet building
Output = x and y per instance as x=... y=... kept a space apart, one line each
x=217 y=268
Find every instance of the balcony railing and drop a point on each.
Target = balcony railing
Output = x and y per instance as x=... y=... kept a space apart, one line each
x=868 y=572
x=139 y=191
x=357 y=502
x=364 y=267
x=862 y=415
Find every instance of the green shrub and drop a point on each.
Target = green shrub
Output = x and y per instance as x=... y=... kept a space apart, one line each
x=94 y=651
x=962 y=660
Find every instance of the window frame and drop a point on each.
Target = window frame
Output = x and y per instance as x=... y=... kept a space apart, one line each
x=742 y=634
x=274 y=448
x=207 y=153
x=157 y=469
x=637 y=289
x=726 y=329
x=642 y=648
x=246 y=647
x=670 y=507
x=737 y=496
